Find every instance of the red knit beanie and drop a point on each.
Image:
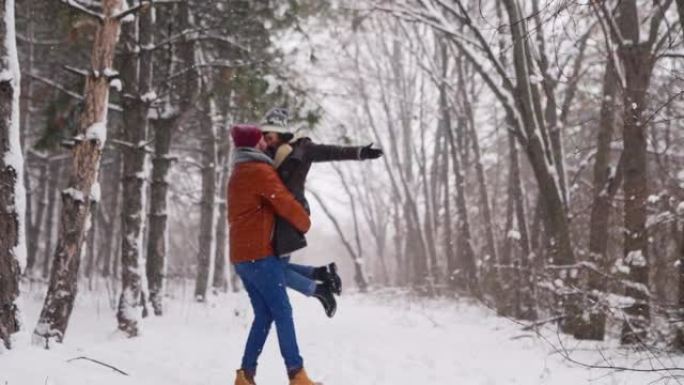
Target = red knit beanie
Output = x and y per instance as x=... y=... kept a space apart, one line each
x=245 y=135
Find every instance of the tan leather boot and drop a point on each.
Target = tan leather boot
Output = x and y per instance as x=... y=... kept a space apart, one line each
x=241 y=378
x=302 y=379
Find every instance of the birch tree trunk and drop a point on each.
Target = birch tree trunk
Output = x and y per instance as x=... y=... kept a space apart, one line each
x=87 y=151
x=12 y=194
x=137 y=77
x=220 y=281
x=207 y=230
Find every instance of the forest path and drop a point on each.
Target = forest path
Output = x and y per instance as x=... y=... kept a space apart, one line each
x=376 y=339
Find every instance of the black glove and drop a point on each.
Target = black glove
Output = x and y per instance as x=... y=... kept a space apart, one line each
x=368 y=152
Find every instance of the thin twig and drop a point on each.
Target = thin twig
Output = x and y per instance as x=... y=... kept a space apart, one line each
x=100 y=363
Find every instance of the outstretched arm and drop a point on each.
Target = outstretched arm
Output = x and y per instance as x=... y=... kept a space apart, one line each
x=328 y=153
x=283 y=202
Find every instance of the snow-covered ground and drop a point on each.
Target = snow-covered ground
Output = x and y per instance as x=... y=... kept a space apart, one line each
x=375 y=339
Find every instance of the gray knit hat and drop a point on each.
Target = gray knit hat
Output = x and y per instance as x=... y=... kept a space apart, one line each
x=275 y=120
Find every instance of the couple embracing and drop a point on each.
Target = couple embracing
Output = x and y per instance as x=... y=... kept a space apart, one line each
x=268 y=215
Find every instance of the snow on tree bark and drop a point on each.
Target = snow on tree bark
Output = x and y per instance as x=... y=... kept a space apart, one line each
x=207 y=230
x=12 y=194
x=137 y=77
x=220 y=268
x=157 y=242
x=25 y=105
x=62 y=287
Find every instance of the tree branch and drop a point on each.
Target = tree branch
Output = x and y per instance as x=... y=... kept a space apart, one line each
x=81 y=8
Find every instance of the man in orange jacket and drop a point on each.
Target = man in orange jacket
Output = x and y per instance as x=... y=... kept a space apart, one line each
x=255 y=196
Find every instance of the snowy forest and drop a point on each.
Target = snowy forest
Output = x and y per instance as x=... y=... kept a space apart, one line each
x=525 y=224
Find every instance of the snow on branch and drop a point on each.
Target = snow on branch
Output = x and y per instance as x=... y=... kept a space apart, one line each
x=149 y=97
x=125 y=13
x=63 y=89
x=83 y=9
x=213 y=64
x=463 y=43
x=76 y=71
x=74 y=194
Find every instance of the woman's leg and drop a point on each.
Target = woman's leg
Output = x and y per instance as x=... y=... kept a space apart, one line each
x=326 y=274
x=295 y=280
x=261 y=324
x=306 y=271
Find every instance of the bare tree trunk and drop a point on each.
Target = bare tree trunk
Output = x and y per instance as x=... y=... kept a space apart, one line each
x=635 y=186
x=25 y=103
x=207 y=229
x=503 y=284
x=680 y=11
x=54 y=181
x=543 y=161
x=416 y=245
x=448 y=226
x=537 y=151
x=157 y=244
x=445 y=126
x=679 y=334
x=551 y=107
x=638 y=63
x=484 y=194
x=465 y=255
x=517 y=294
x=428 y=217
x=137 y=77
x=355 y=219
x=604 y=190
x=377 y=220
x=91 y=249
x=108 y=248
x=12 y=194
x=59 y=301
x=359 y=275
x=37 y=226
x=220 y=268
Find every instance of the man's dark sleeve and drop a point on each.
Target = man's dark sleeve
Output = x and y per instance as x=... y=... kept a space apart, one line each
x=327 y=153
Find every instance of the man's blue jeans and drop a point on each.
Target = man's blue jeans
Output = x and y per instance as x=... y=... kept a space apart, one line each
x=299 y=277
x=264 y=281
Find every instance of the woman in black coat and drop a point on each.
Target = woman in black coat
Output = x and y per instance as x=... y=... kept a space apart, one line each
x=293 y=160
